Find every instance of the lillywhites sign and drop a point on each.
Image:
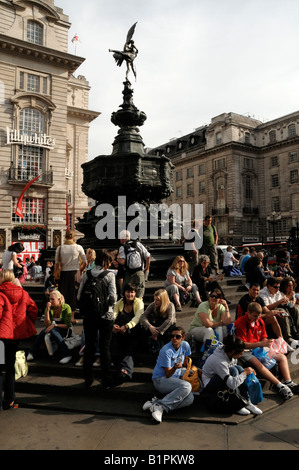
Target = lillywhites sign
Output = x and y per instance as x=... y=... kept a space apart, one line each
x=15 y=136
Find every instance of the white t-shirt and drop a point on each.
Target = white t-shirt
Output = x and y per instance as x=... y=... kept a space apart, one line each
x=69 y=256
x=7 y=261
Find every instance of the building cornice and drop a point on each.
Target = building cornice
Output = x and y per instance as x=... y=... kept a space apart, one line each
x=43 y=54
x=80 y=113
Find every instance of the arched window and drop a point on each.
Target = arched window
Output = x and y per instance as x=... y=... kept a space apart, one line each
x=32 y=121
x=35 y=32
x=291 y=130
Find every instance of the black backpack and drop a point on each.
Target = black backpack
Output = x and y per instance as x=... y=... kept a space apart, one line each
x=94 y=295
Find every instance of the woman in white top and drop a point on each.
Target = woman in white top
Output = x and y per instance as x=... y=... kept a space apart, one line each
x=10 y=256
x=72 y=258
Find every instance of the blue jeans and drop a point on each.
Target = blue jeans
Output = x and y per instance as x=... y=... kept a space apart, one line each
x=216 y=383
x=179 y=393
x=57 y=335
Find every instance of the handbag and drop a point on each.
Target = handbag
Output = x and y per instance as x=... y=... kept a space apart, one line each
x=226 y=401
x=192 y=375
x=278 y=345
x=254 y=389
x=21 y=366
x=57 y=267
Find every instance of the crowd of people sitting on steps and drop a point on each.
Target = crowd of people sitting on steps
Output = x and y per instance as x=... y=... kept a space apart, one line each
x=108 y=290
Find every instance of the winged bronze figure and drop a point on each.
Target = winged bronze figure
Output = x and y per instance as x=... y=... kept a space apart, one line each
x=128 y=54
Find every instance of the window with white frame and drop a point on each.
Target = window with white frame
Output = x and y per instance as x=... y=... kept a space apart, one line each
x=32 y=121
x=35 y=32
x=35 y=83
x=33 y=211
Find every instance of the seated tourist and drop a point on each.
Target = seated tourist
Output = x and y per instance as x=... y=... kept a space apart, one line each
x=268 y=316
x=250 y=328
x=167 y=377
x=126 y=333
x=211 y=317
x=178 y=283
x=158 y=319
x=58 y=325
x=204 y=280
x=221 y=370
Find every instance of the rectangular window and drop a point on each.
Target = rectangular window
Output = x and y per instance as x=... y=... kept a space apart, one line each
x=201 y=169
x=293 y=157
x=189 y=172
x=219 y=164
x=248 y=163
x=274 y=160
x=33 y=211
x=35 y=32
x=189 y=189
x=275 y=181
x=294 y=176
x=29 y=162
x=33 y=82
x=179 y=192
x=201 y=187
x=295 y=202
x=178 y=175
x=275 y=204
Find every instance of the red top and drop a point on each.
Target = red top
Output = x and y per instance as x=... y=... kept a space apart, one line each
x=24 y=312
x=250 y=332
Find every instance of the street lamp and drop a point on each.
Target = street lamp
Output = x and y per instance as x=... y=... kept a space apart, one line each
x=273 y=219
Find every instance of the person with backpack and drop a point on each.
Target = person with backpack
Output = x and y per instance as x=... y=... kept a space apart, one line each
x=136 y=260
x=97 y=296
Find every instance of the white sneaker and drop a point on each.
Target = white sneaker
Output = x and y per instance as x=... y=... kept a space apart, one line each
x=79 y=363
x=243 y=411
x=254 y=409
x=157 y=413
x=289 y=348
x=65 y=360
x=295 y=344
x=97 y=362
x=30 y=357
x=148 y=404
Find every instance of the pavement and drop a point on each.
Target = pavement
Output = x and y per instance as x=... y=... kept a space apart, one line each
x=56 y=412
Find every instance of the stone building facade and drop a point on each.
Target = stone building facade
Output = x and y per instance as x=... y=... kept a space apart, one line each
x=244 y=172
x=45 y=120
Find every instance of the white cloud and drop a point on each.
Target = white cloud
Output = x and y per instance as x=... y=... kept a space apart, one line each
x=197 y=59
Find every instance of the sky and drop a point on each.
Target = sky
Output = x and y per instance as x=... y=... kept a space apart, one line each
x=197 y=59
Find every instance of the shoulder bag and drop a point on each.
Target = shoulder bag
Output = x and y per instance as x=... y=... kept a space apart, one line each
x=192 y=375
x=57 y=267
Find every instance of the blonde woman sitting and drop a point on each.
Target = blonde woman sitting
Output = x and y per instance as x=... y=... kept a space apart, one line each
x=157 y=320
x=178 y=283
x=57 y=322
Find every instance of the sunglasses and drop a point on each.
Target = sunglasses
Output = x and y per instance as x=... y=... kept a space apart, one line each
x=215 y=296
x=176 y=336
x=276 y=287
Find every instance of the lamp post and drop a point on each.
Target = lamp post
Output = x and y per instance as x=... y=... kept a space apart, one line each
x=273 y=218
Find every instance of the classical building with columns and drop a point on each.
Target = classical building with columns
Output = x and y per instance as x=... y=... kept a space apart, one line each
x=45 y=119
x=244 y=172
